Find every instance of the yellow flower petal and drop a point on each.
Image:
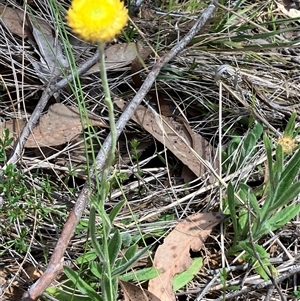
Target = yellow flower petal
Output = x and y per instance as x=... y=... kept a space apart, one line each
x=97 y=21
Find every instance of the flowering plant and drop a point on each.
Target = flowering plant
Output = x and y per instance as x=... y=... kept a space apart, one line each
x=99 y=21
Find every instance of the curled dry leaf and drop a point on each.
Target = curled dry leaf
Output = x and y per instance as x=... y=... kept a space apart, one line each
x=136 y=293
x=173 y=256
x=60 y=125
x=176 y=135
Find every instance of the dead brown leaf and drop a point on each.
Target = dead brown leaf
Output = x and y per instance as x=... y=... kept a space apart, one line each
x=136 y=293
x=60 y=125
x=119 y=55
x=175 y=135
x=173 y=256
x=52 y=58
x=13 y=19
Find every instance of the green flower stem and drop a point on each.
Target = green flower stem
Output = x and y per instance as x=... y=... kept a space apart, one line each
x=110 y=107
x=106 y=225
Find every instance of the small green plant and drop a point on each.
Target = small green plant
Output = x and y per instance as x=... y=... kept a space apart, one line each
x=232 y=159
x=101 y=267
x=135 y=154
x=251 y=218
x=19 y=200
x=297 y=292
x=5 y=141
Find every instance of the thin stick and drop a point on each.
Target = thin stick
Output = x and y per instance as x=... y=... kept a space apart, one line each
x=56 y=260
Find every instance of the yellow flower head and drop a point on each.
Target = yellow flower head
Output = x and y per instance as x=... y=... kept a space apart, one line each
x=97 y=21
x=288 y=144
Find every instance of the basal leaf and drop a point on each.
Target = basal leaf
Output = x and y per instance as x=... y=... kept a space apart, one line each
x=109 y=288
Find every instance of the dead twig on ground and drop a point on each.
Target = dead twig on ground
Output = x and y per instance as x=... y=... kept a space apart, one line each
x=293 y=270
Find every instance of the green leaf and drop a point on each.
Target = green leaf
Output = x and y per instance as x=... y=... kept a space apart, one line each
x=126 y=239
x=268 y=146
x=141 y=275
x=278 y=220
x=278 y=165
x=287 y=177
x=257 y=131
x=252 y=139
x=92 y=229
x=283 y=216
x=185 y=277
x=231 y=204
x=122 y=268
x=286 y=197
x=63 y=295
x=81 y=285
x=109 y=288
x=290 y=127
x=114 y=247
x=263 y=256
x=249 y=144
x=115 y=211
x=246 y=193
x=243 y=223
x=86 y=257
x=128 y=254
x=96 y=269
